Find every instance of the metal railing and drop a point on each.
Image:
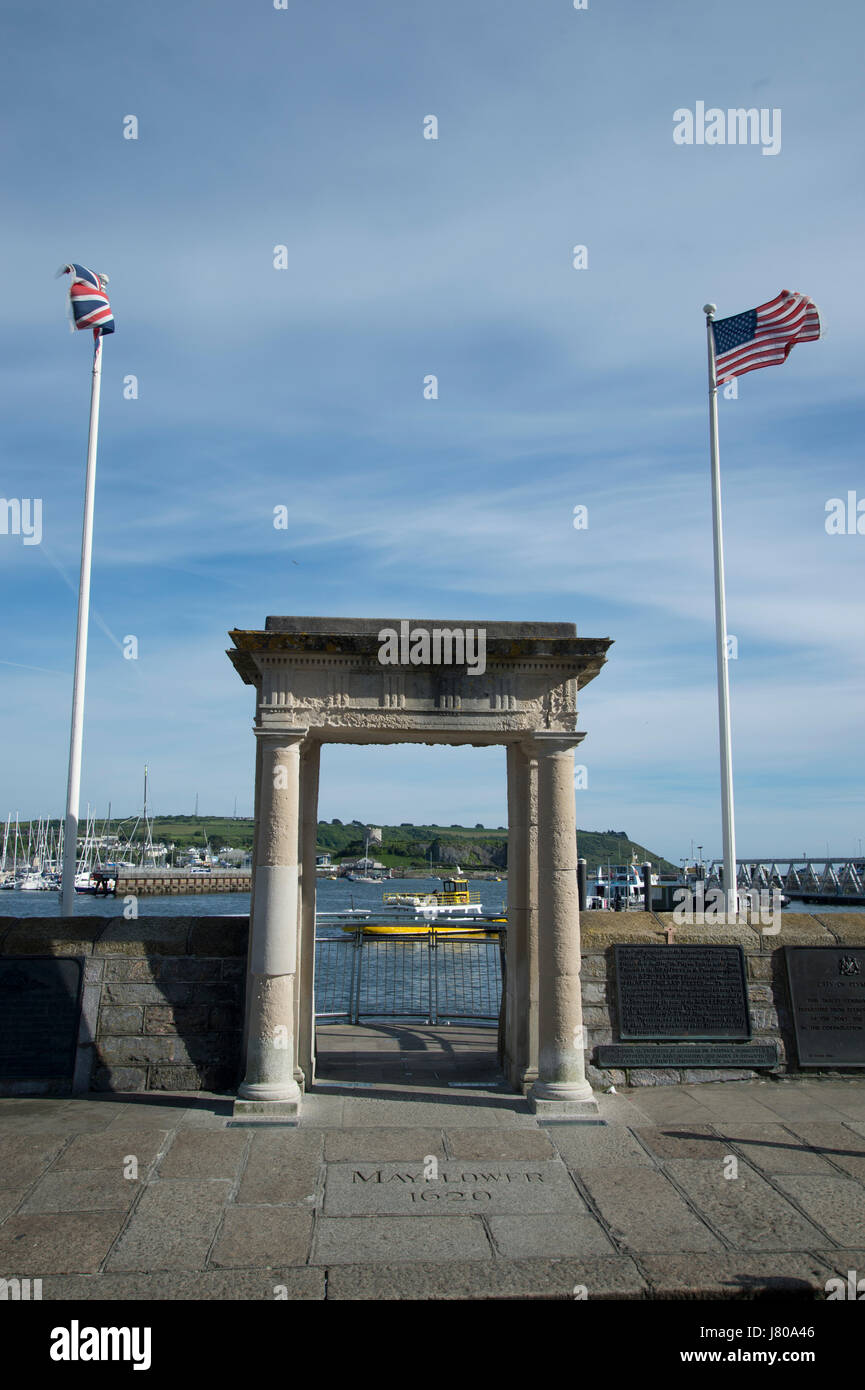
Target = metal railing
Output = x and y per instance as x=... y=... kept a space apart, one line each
x=430 y=977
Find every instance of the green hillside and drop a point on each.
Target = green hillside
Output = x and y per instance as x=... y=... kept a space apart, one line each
x=404 y=846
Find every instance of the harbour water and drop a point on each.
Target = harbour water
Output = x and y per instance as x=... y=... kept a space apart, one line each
x=332 y=895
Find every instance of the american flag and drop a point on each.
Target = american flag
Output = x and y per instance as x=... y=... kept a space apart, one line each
x=90 y=307
x=764 y=337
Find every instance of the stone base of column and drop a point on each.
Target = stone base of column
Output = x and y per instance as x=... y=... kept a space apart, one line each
x=268 y=1098
x=554 y=1098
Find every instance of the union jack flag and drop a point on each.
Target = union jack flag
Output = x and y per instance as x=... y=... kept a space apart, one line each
x=764 y=337
x=88 y=300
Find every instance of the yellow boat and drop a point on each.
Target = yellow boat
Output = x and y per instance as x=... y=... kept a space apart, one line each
x=453 y=898
x=490 y=927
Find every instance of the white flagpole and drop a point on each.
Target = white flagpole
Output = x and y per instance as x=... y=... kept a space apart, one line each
x=727 y=820
x=73 y=786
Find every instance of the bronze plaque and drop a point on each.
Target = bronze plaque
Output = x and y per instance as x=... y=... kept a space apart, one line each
x=750 y=1055
x=827 y=991
x=669 y=992
x=39 y=1008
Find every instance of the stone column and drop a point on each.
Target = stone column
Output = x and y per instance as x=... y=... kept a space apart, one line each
x=310 y=760
x=256 y=808
x=521 y=1019
x=561 y=1087
x=270 y=1083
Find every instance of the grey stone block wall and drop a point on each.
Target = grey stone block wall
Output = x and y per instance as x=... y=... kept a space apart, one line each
x=163 y=1002
x=766 y=974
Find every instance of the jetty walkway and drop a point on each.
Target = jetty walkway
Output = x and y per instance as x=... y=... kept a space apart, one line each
x=415 y=1173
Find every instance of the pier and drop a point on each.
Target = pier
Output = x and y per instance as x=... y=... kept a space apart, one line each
x=835 y=882
x=152 y=882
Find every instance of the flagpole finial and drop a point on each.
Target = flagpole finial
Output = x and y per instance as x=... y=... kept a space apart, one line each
x=710 y=310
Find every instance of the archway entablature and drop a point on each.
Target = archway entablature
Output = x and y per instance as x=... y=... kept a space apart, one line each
x=336 y=677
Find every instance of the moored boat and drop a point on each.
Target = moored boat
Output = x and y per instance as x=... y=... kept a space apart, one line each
x=452 y=900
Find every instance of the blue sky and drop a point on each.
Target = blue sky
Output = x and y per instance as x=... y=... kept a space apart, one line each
x=303 y=387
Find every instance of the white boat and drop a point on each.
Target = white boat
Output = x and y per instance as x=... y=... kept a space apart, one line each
x=621 y=883
x=33 y=882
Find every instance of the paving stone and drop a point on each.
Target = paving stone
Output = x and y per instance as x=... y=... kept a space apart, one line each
x=76 y=1191
x=837 y=1204
x=22 y=1158
x=590 y=1146
x=845 y=1262
x=751 y=1214
x=803 y=1109
x=110 y=1148
x=213 y=1116
x=624 y=1108
x=683 y=1141
x=399 y=1113
x=734 y=1275
x=146 y=1113
x=611 y=1277
x=41 y=1243
x=198 y=1153
x=849 y=1102
x=466 y=1188
x=837 y=1143
x=664 y=1106
x=284 y=1165
x=322 y=1111
x=215 y=1286
x=551 y=1237
x=252 y=1237
x=644 y=1212
x=172 y=1227
x=358 y=1239
x=499 y=1143
x=31 y=1106
x=723 y=1105
x=9 y=1200
x=49 y=1124
x=773 y=1148
x=382 y=1145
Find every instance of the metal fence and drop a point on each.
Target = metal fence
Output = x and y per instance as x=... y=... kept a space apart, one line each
x=430 y=977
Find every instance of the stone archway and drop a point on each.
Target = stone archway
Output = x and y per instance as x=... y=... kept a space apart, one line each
x=344 y=680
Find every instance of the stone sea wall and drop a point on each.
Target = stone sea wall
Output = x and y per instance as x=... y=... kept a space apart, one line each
x=766 y=974
x=162 y=1005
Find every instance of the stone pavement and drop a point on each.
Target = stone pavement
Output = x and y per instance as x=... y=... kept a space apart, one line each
x=415 y=1173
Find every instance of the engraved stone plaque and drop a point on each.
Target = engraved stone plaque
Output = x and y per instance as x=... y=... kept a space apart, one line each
x=668 y=992
x=827 y=991
x=39 y=1010
x=472 y=1188
x=751 y=1055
